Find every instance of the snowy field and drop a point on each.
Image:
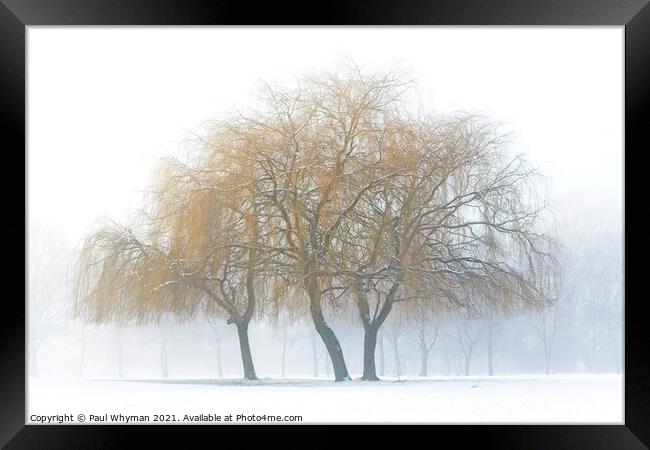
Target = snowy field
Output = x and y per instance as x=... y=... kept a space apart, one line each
x=499 y=399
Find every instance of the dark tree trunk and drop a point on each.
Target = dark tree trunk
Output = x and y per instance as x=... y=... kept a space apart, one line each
x=371 y=329
x=327 y=335
x=333 y=349
x=242 y=325
x=245 y=349
x=369 y=346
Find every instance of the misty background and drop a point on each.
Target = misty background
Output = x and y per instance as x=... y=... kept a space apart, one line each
x=105 y=103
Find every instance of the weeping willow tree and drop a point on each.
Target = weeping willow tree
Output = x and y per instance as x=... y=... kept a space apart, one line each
x=198 y=254
x=447 y=208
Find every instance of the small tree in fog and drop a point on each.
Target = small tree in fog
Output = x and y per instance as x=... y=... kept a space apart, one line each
x=48 y=298
x=395 y=330
x=467 y=333
x=427 y=336
x=546 y=318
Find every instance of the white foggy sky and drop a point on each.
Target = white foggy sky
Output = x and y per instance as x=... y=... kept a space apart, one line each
x=104 y=103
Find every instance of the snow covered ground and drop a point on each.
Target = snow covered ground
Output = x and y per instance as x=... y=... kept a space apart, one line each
x=499 y=399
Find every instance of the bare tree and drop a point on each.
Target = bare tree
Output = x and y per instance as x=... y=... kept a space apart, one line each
x=467 y=332
x=119 y=340
x=396 y=330
x=489 y=310
x=594 y=286
x=291 y=334
x=546 y=327
x=218 y=334
x=426 y=343
x=48 y=300
x=546 y=317
x=82 y=358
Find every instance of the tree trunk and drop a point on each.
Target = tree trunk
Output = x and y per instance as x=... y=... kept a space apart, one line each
x=327 y=335
x=617 y=361
x=547 y=357
x=82 y=359
x=219 y=365
x=245 y=349
x=284 y=347
x=369 y=346
x=120 y=354
x=424 y=352
x=333 y=349
x=398 y=368
x=424 y=361
x=315 y=356
x=371 y=329
x=468 y=359
x=490 y=365
x=381 y=355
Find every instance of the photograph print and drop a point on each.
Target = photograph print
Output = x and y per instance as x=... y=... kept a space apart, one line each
x=327 y=225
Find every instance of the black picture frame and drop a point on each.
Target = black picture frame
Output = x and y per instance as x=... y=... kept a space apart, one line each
x=15 y=15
